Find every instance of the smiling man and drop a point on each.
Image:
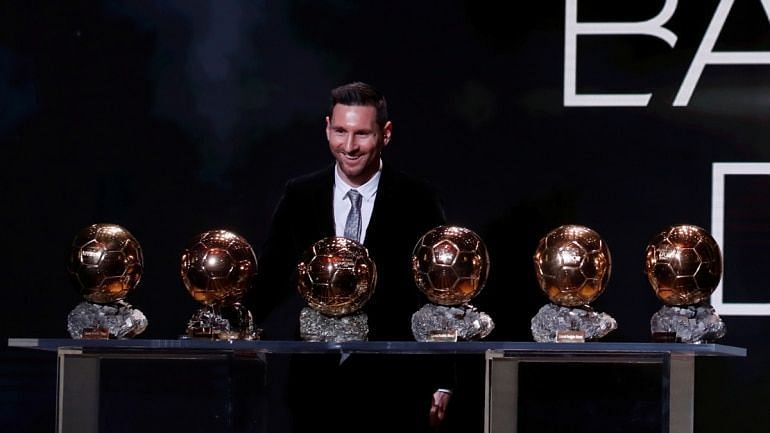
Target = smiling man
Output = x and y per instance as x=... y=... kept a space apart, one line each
x=395 y=211
x=357 y=135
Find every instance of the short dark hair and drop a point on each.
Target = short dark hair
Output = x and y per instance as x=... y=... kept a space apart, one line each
x=358 y=93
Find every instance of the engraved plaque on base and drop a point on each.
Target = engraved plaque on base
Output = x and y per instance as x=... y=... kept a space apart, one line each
x=570 y=336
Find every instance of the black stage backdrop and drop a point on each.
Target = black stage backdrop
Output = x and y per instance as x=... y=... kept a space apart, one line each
x=175 y=117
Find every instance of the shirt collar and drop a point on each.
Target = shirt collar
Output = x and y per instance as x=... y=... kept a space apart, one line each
x=367 y=190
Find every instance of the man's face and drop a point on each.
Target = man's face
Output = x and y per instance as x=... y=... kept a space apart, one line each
x=356 y=141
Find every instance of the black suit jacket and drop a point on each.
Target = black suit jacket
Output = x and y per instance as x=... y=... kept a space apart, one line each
x=404 y=209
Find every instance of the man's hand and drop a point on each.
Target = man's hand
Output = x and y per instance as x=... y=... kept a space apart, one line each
x=438 y=407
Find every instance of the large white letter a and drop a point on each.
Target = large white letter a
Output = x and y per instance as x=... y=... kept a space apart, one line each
x=706 y=55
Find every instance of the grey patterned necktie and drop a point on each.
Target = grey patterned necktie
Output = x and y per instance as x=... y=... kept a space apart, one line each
x=353 y=223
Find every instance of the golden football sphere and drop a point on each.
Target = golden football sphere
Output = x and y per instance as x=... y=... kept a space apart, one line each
x=683 y=264
x=572 y=265
x=105 y=262
x=336 y=276
x=218 y=267
x=450 y=265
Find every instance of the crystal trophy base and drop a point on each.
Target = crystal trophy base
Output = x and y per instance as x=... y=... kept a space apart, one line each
x=442 y=323
x=103 y=321
x=554 y=323
x=316 y=326
x=223 y=322
x=687 y=324
x=241 y=323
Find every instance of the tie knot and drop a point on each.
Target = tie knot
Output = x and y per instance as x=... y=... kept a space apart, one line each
x=354 y=196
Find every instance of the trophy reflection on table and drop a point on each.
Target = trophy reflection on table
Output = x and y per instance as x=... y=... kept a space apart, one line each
x=106 y=264
x=336 y=277
x=572 y=266
x=450 y=265
x=217 y=268
x=684 y=265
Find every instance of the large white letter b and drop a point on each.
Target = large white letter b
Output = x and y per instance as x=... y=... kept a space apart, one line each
x=572 y=28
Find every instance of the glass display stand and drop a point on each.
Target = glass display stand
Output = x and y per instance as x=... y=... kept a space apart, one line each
x=661 y=375
x=83 y=382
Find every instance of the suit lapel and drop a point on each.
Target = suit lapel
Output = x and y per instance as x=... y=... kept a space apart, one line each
x=325 y=204
x=381 y=204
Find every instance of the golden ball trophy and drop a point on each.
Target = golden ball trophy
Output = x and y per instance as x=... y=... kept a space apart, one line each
x=336 y=277
x=684 y=265
x=106 y=264
x=450 y=265
x=217 y=268
x=572 y=266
